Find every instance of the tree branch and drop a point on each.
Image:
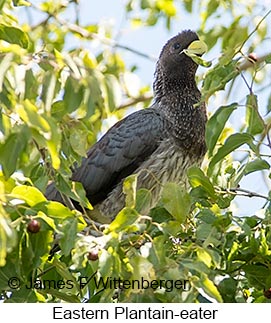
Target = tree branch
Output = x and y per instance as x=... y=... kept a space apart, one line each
x=243 y=192
x=132 y=101
x=252 y=60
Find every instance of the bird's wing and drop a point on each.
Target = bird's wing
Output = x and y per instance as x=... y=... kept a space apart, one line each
x=119 y=152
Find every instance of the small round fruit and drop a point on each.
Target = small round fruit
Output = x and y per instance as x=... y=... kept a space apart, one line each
x=33 y=226
x=93 y=255
x=253 y=57
x=267 y=293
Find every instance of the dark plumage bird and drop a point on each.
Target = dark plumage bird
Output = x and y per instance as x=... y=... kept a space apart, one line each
x=159 y=143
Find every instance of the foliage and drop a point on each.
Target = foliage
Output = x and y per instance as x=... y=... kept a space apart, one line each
x=53 y=99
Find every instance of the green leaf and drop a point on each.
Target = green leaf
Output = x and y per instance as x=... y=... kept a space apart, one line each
x=216 y=124
x=14 y=35
x=74 y=190
x=212 y=7
x=255 y=123
x=252 y=221
x=53 y=142
x=142 y=267
x=58 y=211
x=156 y=252
x=217 y=78
x=63 y=270
x=73 y=95
x=2 y=2
x=257 y=274
x=29 y=114
x=197 y=178
x=17 y=3
x=26 y=252
x=232 y=39
x=8 y=237
x=11 y=149
x=195 y=265
x=8 y=269
x=168 y=7
x=256 y=165
x=227 y=288
x=207 y=233
x=188 y=4
x=198 y=60
x=125 y=218
x=233 y=142
x=58 y=110
x=209 y=288
x=106 y=261
x=93 y=97
x=113 y=92
x=46 y=219
x=204 y=256
x=40 y=245
x=5 y=65
x=268 y=59
x=31 y=195
x=50 y=87
x=143 y=200
x=80 y=193
x=69 y=231
x=31 y=85
x=268 y=106
x=176 y=201
x=129 y=189
x=234 y=249
x=78 y=140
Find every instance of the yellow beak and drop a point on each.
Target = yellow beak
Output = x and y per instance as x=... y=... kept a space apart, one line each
x=197 y=47
x=195 y=50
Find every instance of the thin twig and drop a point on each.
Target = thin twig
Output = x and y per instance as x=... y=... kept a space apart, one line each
x=255 y=29
x=266 y=134
x=248 y=86
x=132 y=101
x=67 y=201
x=268 y=139
x=243 y=192
x=248 y=63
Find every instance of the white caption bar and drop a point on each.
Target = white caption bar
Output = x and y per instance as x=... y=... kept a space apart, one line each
x=133 y=312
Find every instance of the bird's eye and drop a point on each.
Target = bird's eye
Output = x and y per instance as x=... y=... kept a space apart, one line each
x=177 y=46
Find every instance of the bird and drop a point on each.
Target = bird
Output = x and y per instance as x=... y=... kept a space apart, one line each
x=158 y=143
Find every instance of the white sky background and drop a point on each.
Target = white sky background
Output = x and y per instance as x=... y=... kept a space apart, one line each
x=150 y=41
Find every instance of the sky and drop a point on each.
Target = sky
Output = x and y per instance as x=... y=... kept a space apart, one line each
x=150 y=41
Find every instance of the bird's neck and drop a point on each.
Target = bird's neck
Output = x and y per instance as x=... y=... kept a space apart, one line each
x=166 y=85
x=179 y=104
x=178 y=100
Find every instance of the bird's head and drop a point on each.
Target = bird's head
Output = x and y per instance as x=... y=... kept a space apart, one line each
x=175 y=59
x=177 y=64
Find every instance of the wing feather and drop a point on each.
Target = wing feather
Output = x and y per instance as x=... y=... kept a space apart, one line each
x=118 y=154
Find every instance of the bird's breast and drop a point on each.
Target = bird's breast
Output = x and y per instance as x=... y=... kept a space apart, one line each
x=168 y=163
